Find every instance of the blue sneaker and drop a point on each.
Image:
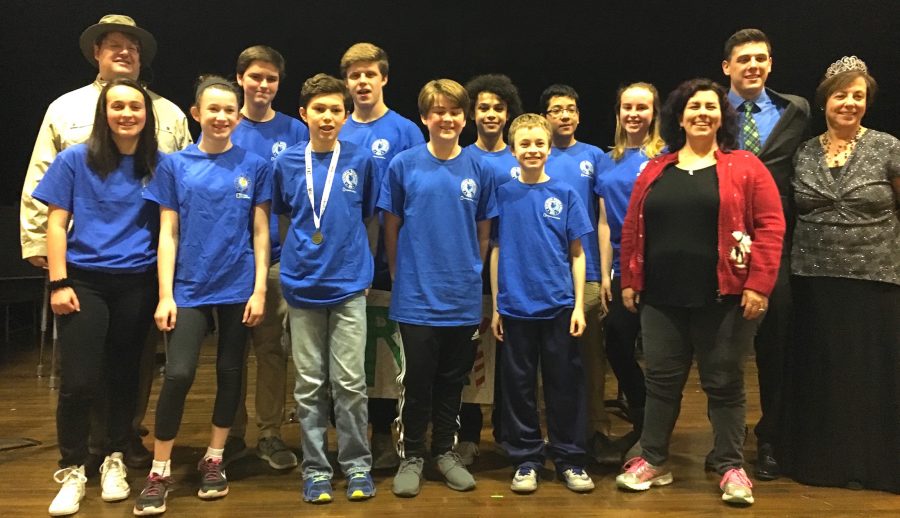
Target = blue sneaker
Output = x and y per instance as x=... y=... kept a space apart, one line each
x=360 y=486
x=317 y=490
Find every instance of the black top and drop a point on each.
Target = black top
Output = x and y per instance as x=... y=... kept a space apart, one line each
x=681 y=224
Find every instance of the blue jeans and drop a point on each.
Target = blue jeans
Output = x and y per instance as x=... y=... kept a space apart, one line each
x=329 y=348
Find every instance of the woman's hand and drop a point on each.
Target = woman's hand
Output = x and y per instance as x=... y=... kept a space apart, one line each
x=577 y=323
x=64 y=301
x=255 y=309
x=497 y=326
x=630 y=299
x=166 y=311
x=754 y=303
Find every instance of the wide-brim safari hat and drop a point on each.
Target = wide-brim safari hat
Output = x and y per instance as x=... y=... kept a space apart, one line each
x=117 y=23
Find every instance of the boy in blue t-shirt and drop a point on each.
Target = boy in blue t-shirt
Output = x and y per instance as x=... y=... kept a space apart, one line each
x=577 y=164
x=438 y=202
x=266 y=132
x=537 y=269
x=327 y=189
x=384 y=132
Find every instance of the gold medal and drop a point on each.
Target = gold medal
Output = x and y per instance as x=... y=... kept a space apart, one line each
x=317 y=238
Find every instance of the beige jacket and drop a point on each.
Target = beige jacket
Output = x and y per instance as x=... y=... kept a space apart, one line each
x=68 y=121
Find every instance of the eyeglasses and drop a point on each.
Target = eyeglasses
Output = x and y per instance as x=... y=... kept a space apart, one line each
x=557 y=111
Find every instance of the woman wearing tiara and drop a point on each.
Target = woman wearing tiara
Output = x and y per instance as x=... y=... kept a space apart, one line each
x=846 y=280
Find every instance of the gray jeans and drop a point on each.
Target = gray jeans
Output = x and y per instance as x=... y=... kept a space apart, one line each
x=719 y=337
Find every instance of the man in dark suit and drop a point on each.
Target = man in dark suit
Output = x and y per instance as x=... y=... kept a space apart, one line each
x=772 y=126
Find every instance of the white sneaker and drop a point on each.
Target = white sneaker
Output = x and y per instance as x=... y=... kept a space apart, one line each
x=524 y=481
x=70 y=494
x=578 y=480
x=467 y=451
x=113 y=485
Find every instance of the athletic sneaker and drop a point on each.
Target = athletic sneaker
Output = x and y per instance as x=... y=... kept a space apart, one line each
x=213 y=483
x=408 y=479
x=578 y=480
x=152 y=499
x=384 y=453
x=525 y=480
x=639 y=475
x=455 y=472
x=736 y=487
x=113 y=486
x=274 y=451
x=68 y=499
x=467 y=451
x=317 y=490
x=360 y=486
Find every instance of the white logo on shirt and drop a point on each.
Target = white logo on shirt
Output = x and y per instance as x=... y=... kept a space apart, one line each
x=641 y=168
x=241 y=186
x=468 y=188
x=380 y=147
x=277 y=148
x=515 y=172
x=587 y=168
x=350 y=180
x=552 y=207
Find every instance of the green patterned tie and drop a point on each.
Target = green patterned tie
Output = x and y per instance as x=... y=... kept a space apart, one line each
x=749 y=131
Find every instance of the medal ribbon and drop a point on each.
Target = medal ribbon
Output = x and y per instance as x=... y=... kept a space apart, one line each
x=329 y=179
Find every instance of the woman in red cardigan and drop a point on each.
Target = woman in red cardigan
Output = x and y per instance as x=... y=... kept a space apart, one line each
x=701 y=245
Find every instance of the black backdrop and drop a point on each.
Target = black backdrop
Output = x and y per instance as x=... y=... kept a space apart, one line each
x=593 y=45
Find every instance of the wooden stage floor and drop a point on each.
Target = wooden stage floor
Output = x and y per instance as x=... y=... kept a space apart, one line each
x=26 y=484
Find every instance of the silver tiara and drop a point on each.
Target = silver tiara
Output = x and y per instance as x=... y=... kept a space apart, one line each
x=846 y=64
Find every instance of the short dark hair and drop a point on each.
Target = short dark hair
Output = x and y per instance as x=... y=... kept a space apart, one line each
x=836 y=82
x=260 y=53
x=218 y=82
x=324 y=84
x=745 y=36
x=557 y=90
x=673 y=133
x=103 y=155
x=499 y=85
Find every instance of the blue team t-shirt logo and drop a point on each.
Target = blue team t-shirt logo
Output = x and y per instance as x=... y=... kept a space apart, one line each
x=468 y=188
x=380 y=147
x=641 y=168
x=277 y=148
x=350 y=180
x=552 y=207
x=515 y=172
x=587 y=168
x=241 y=187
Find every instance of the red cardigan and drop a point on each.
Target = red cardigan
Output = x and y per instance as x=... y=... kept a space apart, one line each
x=748 y=203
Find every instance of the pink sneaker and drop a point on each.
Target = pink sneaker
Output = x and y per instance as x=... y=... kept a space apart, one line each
x=639 y=475
x=736 y=487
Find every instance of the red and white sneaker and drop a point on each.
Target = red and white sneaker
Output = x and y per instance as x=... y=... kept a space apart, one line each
x=736 y=487
x=639 y=475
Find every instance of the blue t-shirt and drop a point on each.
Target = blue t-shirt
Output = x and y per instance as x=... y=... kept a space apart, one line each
x=268 y=139
x=113 y=229
x=578 y=165
x=503 y=163
x=614 y=185
x=341 y=265
x=536 y=224
x=438 y=272
x=385 y=137
x=214 y=196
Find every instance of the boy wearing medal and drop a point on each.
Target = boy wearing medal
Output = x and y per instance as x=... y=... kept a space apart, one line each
x=327 y=189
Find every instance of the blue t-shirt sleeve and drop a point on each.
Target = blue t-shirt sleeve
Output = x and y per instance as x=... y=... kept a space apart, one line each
x=263 y=192
x=487 y=202
x=279 y=203
x=58 y=185
x=578 y=223
x=161 y=188
x=392 y=196
x=372 y=187
x=412 y=135
x=602 y=163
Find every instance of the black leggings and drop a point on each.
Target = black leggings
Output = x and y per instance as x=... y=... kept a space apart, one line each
x=100 y=350
x=182 y=356
x=622 y=328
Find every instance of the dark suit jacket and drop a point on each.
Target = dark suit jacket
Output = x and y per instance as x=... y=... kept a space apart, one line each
x=778 y=151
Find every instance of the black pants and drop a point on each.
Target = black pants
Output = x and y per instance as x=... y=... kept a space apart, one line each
x=182 y=356
x=622 y=328
x=100 y=351
x=772 y=343
x=437 y=361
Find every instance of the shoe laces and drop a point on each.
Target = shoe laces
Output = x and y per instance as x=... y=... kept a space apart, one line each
x=736 y=476
x=155 y=484
x=635 y=465
x=578 y=472
x=454 y=456
x=320 y=478
x=358 y=475
x=212 y=469
x=112 y=463
x=410 y=464
x=524 y=472
x=71 y=473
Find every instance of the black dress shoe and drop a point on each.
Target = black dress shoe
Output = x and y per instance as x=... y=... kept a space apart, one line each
x=136 y=455
x=766 y=465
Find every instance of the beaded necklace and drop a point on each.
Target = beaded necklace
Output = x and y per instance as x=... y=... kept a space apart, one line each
x=842 y=152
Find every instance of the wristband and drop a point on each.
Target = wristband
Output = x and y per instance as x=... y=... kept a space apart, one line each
x=59 y=284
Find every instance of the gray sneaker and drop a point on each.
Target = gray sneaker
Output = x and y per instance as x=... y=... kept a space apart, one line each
x=467 y=451
x=455 y=472
x=274 y=451
x=408 y=479
x=384 y=453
